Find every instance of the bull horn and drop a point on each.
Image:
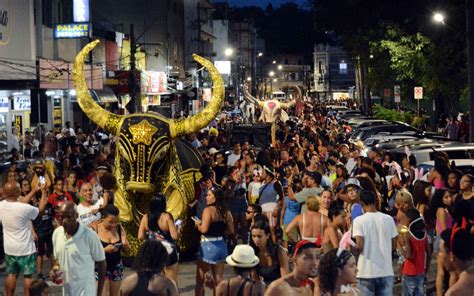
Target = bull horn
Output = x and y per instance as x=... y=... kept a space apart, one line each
x=103 y=118
x=196 y=122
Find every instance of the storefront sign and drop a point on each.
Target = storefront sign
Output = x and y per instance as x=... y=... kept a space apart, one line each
x=58 y=119
x=5 y=21
x=74 y=30
x=154 y=82
x=18 y=123
x=21 y=103
x=81 y=11
x=4 y=104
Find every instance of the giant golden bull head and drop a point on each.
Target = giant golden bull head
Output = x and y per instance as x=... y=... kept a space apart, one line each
x=147 y=158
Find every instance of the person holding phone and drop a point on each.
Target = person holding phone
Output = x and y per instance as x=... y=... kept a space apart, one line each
x=216 y=222
x=114 y=240
x=158 y=225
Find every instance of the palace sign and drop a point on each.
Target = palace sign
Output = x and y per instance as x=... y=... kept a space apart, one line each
x=73 y=30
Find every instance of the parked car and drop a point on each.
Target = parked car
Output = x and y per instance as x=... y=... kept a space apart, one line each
x=348 y=114
x=424 y=153
x=383 y=138
x=466 y=166
x=361 y=134
x=360 y=122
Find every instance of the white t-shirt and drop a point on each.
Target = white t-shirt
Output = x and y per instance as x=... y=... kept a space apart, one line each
x=232 y=159
x=85 y=215
x=16 y=218
x=377 y=229
x=254 y=188
x=77 y=257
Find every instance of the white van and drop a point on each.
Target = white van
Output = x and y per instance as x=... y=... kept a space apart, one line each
x=279 y=95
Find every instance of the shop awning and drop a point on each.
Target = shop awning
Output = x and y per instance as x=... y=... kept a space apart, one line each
x=105 y=95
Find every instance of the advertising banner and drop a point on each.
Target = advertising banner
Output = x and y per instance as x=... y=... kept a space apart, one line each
x=154 y=82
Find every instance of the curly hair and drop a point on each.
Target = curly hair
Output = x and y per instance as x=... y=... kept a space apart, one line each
x=328 y=271
x=151 y=258
x=328 y=266
x=108 y=181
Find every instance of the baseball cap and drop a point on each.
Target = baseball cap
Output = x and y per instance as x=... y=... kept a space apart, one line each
x=213 y=151
x=353 y=182
x=305 y=244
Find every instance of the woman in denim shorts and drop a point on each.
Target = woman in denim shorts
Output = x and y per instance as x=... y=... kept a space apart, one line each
x=216 y=222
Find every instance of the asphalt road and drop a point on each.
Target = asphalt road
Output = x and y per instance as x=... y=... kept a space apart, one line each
x=186 y=280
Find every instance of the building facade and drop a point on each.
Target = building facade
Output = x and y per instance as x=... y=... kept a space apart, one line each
x=334 y=73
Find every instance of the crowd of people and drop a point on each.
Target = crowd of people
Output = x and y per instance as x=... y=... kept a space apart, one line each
x=314 y=214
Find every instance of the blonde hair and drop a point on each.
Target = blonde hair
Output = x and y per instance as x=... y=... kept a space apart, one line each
x=312 y=202
x=404 y=196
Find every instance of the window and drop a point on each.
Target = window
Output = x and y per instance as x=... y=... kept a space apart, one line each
x=60 y=18
x=342 y=67
x=300 y=62
x=286 y=61
x=320 y=67
x=47 y=13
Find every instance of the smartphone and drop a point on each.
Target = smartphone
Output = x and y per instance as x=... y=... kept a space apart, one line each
x=118 y=245
x=195 y=219
x=178 y=222
x=42 y=180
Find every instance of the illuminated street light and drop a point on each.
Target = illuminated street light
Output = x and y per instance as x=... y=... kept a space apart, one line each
x=260 y=54
x=280 y=67
x=371 y=56
x=274 y=62
x=275 y=80
x=249 y=78
x=228 y=52
x=271 y=74
x=438 y=17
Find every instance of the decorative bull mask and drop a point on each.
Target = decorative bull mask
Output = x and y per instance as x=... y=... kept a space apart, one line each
x=143 y=139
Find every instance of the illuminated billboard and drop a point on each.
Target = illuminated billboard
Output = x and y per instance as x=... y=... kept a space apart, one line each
x=74 y=30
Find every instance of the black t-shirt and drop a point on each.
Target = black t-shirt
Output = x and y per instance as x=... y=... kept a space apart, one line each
x=221 y=171
x=44 y=224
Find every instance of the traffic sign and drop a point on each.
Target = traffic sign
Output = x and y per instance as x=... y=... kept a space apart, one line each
x=396 y=93
x=418 y=93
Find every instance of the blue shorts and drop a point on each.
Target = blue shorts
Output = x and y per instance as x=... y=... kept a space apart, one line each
x=213 y=252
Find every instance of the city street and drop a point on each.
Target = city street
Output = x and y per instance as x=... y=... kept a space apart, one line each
x=187 y=280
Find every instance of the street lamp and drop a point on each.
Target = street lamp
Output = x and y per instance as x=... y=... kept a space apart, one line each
x=271 y=74
x=280 y=67
x=249 y=78
x=438 y=17
x=274 y=62
x=260 y=54
x=228 y=52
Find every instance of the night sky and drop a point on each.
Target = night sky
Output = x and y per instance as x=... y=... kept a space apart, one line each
x=262 y=3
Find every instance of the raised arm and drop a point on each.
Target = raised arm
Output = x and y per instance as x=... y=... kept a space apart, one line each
x=248 y=97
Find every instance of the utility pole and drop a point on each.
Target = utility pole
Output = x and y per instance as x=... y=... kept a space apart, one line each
x=134 y=105
x=470 y=63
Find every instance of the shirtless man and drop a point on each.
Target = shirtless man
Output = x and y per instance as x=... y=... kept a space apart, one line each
x=462 y=258
x=300 y=281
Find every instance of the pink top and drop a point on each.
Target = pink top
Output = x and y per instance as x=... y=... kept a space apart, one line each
x=439 y=184
x=449 y=223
